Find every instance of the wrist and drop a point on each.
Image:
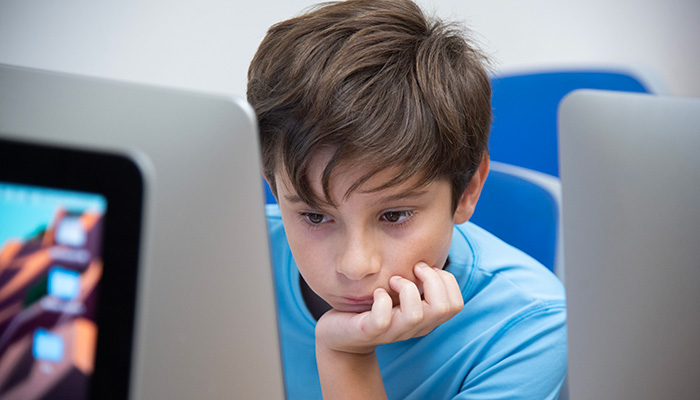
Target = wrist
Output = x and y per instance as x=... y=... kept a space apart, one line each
x=354 y=353
x=349 y=375
x=340 y=347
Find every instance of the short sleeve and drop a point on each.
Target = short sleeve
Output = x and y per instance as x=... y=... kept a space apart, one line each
x=526 y=360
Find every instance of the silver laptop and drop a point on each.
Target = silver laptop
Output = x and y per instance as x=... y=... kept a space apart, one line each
x=630 y=173
x=205 y=323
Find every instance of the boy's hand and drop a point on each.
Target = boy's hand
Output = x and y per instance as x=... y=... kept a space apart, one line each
x=384 y=323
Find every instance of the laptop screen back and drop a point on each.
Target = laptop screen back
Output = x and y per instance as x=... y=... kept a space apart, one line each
x=630 y=176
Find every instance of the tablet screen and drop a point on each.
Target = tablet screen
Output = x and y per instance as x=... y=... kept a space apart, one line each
x=50 y=271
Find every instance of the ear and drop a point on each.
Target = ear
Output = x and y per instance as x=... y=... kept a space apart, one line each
x=467 y=203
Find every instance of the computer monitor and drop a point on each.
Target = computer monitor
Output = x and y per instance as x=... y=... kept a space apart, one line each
x=205 y=323
x=630 y=175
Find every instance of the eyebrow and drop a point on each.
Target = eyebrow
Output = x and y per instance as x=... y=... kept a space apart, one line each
x=296 y=199
x=293 y=198
x=407 y=195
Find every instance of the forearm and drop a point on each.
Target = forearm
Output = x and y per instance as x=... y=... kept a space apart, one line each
x=348 y=375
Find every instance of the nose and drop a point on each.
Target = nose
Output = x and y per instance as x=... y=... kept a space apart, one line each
x=360 y=256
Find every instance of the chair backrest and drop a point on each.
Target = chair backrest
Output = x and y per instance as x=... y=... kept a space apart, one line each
x=522 y=207
x=269 y=197
x=525 y=112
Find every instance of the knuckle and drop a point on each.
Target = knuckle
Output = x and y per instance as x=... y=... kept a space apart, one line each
x=382 y=323
x=442 y=308
x=376 y=325
x=414 y=317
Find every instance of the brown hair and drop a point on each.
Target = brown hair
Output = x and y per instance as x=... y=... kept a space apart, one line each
x=379 y=84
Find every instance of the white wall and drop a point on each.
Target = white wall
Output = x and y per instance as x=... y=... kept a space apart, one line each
x=207 y=44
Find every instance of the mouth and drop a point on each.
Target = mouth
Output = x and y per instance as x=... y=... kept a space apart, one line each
x=354 y=304
x=358 y=300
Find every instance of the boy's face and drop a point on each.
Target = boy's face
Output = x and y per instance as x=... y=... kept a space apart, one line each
x=346 y=252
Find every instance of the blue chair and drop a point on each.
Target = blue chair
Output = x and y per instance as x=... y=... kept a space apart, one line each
x=269 y=197
x=522 y=207
x=525 y=107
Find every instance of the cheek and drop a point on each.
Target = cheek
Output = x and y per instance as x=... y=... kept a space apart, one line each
x=304 y=251
x=430 y=245
x=311 y=255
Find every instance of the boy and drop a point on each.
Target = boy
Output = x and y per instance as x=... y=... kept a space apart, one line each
x=374 y=125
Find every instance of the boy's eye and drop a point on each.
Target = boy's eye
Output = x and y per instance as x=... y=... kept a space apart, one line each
x=315 y=218
x=396 y=216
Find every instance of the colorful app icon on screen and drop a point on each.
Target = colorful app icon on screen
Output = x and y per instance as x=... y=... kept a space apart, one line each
x=64 y=283
x=70 y=231
x=47 y=346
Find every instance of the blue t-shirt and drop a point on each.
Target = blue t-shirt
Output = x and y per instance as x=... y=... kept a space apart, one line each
x=509 y=341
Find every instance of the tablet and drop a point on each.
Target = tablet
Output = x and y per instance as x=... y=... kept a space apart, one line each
x=69 y=249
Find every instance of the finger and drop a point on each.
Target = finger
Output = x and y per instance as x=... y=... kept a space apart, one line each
x=410 y=303
x=434 y=290
x=452 y=290
x=380 y=314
